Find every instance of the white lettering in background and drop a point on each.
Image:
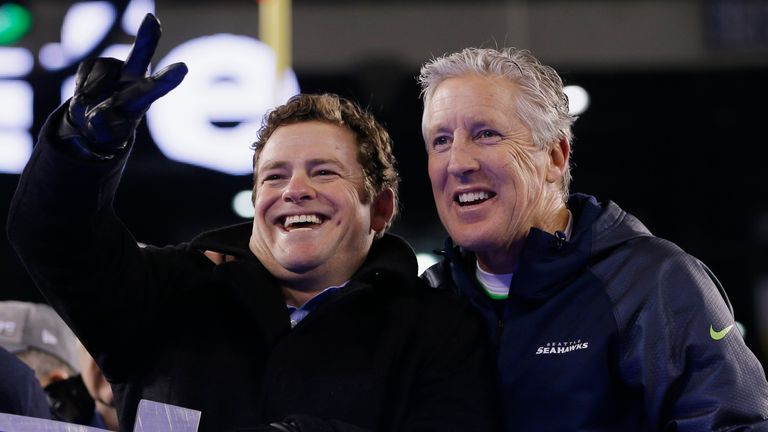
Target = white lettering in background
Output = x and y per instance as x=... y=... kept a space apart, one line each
x=7 y=328
x=85 y=25
x=211 y=119
x=49 y=338
x=16 y=109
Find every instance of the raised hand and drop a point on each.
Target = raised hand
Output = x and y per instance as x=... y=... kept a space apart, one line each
x=112 y=96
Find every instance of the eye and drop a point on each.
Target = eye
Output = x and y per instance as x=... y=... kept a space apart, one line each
x=271 y=177
x=442 y=140
x=488 y=136
x=325 y=172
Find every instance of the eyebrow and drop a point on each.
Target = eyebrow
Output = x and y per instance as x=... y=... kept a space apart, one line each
x=273 y=165
x=438 y=130
x=480 y=124
x=472 y=125
x=280 y=164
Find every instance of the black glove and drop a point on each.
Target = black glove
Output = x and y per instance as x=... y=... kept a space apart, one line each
x=308 y=423
x=285 y=427
x=112 y=96
x=272 y=427
x=70 y=401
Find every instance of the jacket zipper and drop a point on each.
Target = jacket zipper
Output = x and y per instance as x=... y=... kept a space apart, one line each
x=499 y=330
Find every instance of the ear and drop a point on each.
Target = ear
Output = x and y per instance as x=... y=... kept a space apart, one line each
x=558 y=160
x=382 y=209
x=53 y=376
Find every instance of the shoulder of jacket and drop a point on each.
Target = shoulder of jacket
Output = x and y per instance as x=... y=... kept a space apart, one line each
x=438 y=275
x=652 y=276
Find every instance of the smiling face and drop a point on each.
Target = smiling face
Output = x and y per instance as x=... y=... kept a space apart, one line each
x=312 y=228
x=490 y=182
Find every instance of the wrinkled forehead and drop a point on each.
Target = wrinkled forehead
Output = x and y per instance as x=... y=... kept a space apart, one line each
x=466 y=76
x=469 y=99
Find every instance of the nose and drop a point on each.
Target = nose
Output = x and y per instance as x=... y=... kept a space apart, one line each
x=299 y=188
x=463 y=160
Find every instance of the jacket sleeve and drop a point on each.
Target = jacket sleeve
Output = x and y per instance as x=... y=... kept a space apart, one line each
x=79 y=254
x=20 y=391
x=681 y=348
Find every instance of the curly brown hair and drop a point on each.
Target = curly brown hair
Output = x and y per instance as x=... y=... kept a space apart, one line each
x=375 y=146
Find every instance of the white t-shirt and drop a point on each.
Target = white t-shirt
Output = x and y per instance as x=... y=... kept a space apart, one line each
x=497 y=285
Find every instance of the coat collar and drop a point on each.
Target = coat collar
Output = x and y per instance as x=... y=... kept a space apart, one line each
x=230 y=240
x=546 y=261
x=389 y=254
x=390 y=263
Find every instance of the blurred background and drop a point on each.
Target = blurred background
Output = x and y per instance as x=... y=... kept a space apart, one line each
x=672 y=99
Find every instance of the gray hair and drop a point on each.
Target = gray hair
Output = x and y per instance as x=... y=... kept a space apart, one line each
x=544 y=105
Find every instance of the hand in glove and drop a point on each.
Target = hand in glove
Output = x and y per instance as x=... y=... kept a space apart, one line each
x=112 y=96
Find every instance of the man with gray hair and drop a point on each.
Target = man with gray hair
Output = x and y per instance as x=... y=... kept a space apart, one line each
x=597 y=324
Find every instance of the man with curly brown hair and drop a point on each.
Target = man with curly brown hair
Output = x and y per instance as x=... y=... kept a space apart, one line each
x=310 y=318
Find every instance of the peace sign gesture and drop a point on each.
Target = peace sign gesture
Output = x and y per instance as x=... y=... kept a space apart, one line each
x=112 y=96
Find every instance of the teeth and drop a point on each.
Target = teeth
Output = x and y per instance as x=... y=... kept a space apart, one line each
x=292 y=220
x=473 y=196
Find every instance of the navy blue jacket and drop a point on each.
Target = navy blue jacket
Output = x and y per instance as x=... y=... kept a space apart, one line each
x=20 y=391
x=614 y=330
